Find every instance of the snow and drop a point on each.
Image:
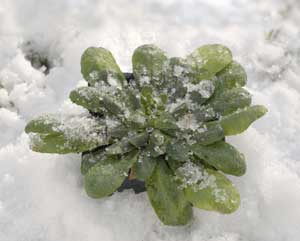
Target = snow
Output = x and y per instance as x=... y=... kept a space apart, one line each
x=42 y=196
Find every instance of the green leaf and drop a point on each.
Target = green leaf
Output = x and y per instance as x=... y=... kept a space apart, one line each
x=105 y=177
x=120 y=147
x=178 y=151
x=223 y=157
x=147 y=64
x=219 y=194
x=72 y=134
x=240 y=120
x=208 y=134
x=166 y=123
x=45 y=124
x=166 y=198
x=232 y=76
x=230 y=101
x=94 y=100
x=147 y=101
x=139 y=140
x=89 y=98
x=208 y=60
x=204 y=114
x=62 y=144
x=98 y=64
x=136 y=120
x=144 y=166
x=91 y=158
x=132 y=99
x=118 y=131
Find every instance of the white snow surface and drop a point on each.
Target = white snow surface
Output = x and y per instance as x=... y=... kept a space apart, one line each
x=41 y=195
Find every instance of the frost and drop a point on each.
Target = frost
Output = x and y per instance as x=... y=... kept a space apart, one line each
x=113 y=81
x=195 y=176
x=205 y=88
x=188 y=121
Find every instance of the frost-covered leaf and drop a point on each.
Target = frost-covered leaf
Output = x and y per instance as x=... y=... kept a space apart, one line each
x=147 y=64
x=98 y=64
x=118 y=131
x=147 y=99
x=105 y=177
x=179 y=110
x=94 y=100
x=132 y=98
x=214 y=192
x=165 y=122
x=240 y=120
x=72 y=134
x=178 y=151
x=144 y=166
x=139 y=139
x=168 y=201
x=175 y=75
x=157 y=143
x=230 y=101
x=208 y=60
x=119 y=147
x=222 y=156
x=89 y=98
x=200 y=92
x=206 y=135
x=45 y=124
x=136 y=120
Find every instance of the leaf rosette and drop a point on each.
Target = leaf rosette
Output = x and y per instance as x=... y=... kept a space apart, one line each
x=166 y=127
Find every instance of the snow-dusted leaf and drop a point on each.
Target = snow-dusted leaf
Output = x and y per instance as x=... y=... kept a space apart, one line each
x=157 y=143
x=98 y=64
x=105 y=177
x=136 y=120
x=208 y=60
x=206 y=134
x=147 y=64
x=46 y=124
x=94 y=100
x=222 y=156
x=175 y=76
x=178 y=151
x=165 y=122
x=200 y=92
x=214 y=193
x=147 y=99
x=132 y=99
x=230 y=101
x=168 y=201
x=240 y=120
x=119 y=147
x=71 y=134
x=139 y=139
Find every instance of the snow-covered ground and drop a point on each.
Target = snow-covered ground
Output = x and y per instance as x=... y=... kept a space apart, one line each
x=41 y=196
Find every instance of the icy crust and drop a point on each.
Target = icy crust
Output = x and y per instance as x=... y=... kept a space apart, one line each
x=151 y=127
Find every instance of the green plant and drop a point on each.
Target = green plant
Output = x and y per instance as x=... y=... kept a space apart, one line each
x=166 y=127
